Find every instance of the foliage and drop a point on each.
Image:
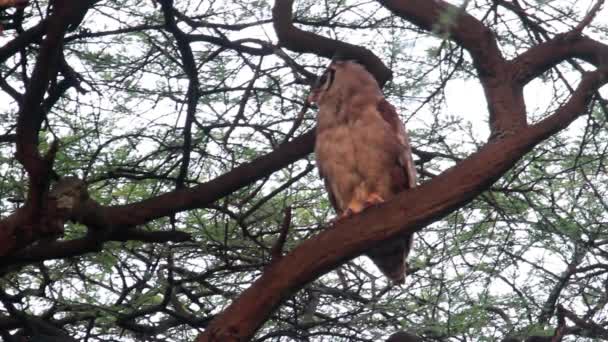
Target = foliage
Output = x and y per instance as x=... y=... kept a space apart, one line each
x=494 y=268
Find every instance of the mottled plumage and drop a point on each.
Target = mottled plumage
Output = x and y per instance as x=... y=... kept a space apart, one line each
x=363 y=152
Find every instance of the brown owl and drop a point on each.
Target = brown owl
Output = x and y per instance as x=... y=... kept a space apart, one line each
x=363 y=152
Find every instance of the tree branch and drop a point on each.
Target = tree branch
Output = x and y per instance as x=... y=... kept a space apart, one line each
x=540 y=58
x=407 y=213
x=298 y=40
x=442 y=17
x=505 y=99
x=209 y=192
x=119 y=218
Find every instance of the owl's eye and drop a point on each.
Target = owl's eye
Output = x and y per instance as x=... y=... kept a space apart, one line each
x=323 y=78
x=326 y=78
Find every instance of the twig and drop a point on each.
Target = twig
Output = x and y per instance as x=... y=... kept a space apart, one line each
x=297 y=122
x=598 y=330
x=588 y=18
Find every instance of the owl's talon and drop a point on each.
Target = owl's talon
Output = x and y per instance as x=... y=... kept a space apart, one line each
x=346 y=214
x=373 y=199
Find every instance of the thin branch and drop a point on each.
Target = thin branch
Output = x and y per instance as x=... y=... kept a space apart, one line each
x=277 y=249
x=589 y=17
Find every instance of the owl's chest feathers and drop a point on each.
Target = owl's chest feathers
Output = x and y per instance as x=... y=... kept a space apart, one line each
x=339 y=113
x=352 y=136
x=335 y=128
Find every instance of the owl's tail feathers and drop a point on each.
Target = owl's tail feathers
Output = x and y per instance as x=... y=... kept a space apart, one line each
x=391 y=258
x=393 y=267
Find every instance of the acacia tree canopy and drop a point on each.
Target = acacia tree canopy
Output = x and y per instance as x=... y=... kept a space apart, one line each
x=157 y=182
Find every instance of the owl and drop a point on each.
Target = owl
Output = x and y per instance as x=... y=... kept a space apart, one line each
x=363 y=152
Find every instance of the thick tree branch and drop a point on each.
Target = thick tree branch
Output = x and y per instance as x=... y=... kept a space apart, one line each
x=31 y=114
x=505 y=98
x=463 y=28
x=542 y=57
x=17 y=229
x=123 y=217
x=503 y=82
x=209 y=192
x=298 y=40
x=408 y=212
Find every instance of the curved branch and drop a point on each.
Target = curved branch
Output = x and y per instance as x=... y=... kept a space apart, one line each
x=505 y=98
x=298 y=40
x=463 y=28
x=542 y=57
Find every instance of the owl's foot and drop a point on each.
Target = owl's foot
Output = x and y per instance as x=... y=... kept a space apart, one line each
x=350 y=211
x=373 y=199
x=356 y=207
x=346 y=214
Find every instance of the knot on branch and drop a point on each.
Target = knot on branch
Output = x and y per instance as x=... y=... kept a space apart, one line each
x=64 y=202
x=69 y=193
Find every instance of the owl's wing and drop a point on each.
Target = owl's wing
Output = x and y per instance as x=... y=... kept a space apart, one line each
x=390 y=257
x=404 y=173
x=330 y=194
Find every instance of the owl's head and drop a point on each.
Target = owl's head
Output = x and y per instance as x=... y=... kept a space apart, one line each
x=342 y=78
